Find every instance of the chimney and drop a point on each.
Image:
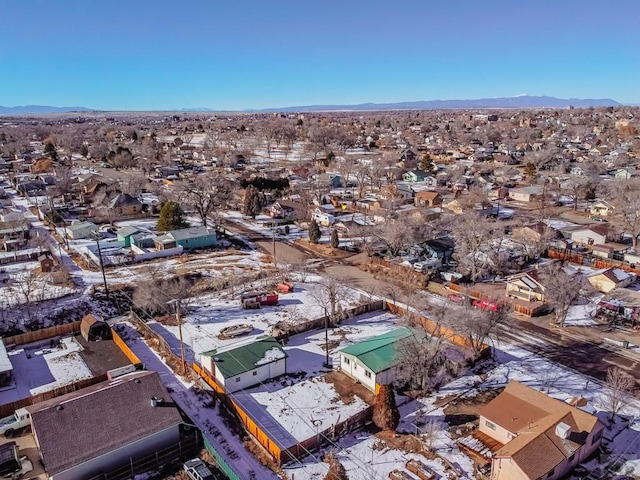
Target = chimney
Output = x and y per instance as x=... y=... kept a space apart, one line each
x=563 y=430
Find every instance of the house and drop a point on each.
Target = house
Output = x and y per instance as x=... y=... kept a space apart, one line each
x=126 y=234
x=414 y=176
x=534 y=233
x=372 y=362
x=441 y=248
x=6 y=368
x=526 y=194
x=610 y=279
x=243 y=366
x=323 y=218
x=541 y=437
x=125 y=205
x=13 y=235
x=79 y=230
x=590 y=234
x=187 y=238
x=525 y=286
x=428 y=199
x=280 y=209
x=601 y=209
x=11 y=215
x=79 y=435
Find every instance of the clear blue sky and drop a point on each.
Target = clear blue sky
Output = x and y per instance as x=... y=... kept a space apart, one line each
x=235 y=54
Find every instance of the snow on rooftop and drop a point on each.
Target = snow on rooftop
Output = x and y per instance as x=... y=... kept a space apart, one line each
x=302 y=409
x=271 y=356
x=38 y=369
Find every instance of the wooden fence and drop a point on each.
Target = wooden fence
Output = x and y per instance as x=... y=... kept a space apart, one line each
x=43 y=334
x=9 y=408
x=434 y=328
x=133 y=358
x=295 y=328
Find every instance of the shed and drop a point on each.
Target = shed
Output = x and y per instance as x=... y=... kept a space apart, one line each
x=93 y=329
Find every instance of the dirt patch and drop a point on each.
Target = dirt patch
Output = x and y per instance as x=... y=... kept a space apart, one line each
x=348 y=389
x=461 y=414
x=403 y=442
x=324 y=250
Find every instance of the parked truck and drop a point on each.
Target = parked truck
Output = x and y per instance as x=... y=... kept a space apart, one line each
x=19 y=419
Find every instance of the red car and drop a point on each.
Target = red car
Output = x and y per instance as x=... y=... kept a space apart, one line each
x=486 y=305
x=456 y=298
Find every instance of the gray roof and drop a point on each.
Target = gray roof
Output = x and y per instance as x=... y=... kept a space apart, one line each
x=126 y=231
x=191 y=232
x=83 y=425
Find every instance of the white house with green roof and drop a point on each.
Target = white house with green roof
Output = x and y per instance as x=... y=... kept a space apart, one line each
x=245 y=365
x=372 y=362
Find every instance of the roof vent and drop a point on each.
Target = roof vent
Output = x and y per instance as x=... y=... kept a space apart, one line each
x=59 y=407
x=563 y=430
x=154 y=402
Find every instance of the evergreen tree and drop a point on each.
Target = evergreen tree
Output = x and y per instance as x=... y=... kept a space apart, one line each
x=530 y=171
x=335 y=241
x=314 y=232
x=252 y=202
x=385 y=411
x=336 y=469
x=172 y=217
x=425 y=163
x=84 y=150
x=50 y=151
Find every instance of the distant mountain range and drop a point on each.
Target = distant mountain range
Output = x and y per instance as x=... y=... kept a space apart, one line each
x=35 y=109
x=521 y=101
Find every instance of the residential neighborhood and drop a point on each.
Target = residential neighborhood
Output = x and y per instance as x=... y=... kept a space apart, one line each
x=398 y=294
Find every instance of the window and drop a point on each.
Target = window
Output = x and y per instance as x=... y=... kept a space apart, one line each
x=237 y=379
x=490 y=425
x=255 y=373
x=367 y=373
x=346 y=360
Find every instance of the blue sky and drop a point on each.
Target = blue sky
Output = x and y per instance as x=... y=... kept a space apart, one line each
x=235 y=54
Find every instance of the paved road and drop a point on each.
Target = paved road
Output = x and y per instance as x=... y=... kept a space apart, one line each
x=584 y=353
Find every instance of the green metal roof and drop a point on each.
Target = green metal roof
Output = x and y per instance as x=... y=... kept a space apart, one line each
x=247 y=357
x=378 y=353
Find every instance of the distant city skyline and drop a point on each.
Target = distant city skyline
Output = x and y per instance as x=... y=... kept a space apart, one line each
x=161 y=55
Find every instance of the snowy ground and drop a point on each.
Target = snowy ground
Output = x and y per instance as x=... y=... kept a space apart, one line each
x=40 y=368
x=209 y=314
x=21 y=284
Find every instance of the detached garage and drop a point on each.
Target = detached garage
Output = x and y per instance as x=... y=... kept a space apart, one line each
x=94 y=329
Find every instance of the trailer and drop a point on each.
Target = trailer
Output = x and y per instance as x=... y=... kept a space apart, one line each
x=259 y=299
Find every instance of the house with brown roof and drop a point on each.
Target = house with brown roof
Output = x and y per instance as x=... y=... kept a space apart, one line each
x=542 y=437
x=428 y=199
x=610 y=279
x=83 y=435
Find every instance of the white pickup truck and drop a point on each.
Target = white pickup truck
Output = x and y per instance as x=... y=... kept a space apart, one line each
x=20 y=419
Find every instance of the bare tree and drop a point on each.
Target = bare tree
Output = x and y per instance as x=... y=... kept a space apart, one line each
x=153 y=294
x=206 y=193
x=336 y=469
x=626 y=201
x=472 y=232
x=561 y=289
x=618 y=393
x=479 y=327
x=420 y=356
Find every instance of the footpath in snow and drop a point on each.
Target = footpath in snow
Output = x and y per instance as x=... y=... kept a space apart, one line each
x=194 y=404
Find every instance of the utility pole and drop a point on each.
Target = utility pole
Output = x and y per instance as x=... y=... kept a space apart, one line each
x=179 y=320
x=273 y=237
x=104 y=277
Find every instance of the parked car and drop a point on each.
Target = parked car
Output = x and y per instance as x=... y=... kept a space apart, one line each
x=456 y=298
x=486 y=305
x=196 y=469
